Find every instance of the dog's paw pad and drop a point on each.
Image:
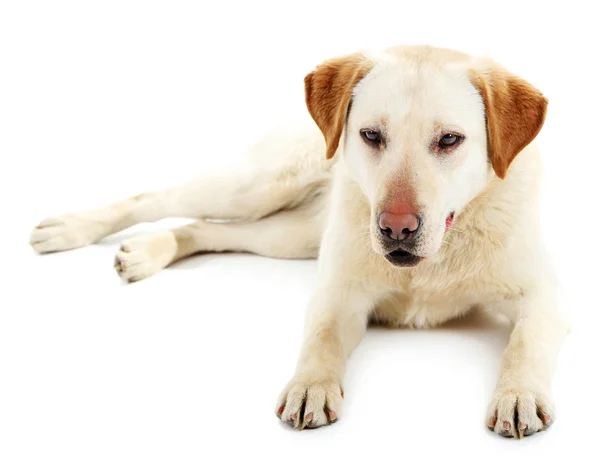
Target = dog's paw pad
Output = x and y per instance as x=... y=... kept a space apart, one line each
x=141 y=257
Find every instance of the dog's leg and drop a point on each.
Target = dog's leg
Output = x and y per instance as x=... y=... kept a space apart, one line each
x=291 y=234
x=522 y=403
x=74 y=230
x=337 y=320
x=231 y=196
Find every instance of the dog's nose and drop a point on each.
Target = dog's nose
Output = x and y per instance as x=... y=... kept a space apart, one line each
x=398 y=226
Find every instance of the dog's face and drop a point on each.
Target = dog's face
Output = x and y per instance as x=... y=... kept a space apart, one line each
x=423 y=133
x=416 y=143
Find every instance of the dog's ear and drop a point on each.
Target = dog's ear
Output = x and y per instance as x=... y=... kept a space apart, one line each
x=515 y=112
x=328 y=91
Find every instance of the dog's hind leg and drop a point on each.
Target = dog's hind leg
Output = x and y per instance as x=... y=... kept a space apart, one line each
x=225 y=197
x=289 y=234
x=292 y=168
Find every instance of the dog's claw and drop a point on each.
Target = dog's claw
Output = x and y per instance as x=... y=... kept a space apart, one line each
x=545 y=418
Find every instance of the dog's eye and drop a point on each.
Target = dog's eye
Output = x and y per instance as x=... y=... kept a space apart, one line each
x=372 y=137
x=449 y=140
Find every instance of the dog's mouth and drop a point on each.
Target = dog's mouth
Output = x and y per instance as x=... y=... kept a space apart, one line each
x=402 y=258
x=449 y=221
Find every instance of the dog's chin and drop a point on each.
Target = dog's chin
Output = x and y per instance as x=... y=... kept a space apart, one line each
x=401 y=258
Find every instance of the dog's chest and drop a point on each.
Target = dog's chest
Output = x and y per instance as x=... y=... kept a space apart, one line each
x=428 y=299
x=420 y=309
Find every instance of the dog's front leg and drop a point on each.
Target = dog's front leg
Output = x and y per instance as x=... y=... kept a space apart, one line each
x=522 y=403
x=336 y=321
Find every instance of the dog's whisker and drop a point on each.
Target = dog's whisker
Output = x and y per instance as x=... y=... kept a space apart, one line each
x=449 y=244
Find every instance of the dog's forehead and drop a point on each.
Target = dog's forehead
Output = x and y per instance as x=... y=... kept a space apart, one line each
x=398 y=86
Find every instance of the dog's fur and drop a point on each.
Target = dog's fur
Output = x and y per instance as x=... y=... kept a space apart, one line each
x=305 y=197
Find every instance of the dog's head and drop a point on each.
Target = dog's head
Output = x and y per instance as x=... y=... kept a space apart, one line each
x=423 y=132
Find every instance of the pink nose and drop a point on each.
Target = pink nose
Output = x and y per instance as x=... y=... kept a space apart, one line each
x=398 y=226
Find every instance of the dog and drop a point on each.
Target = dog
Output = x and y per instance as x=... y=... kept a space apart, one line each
x=416 y=189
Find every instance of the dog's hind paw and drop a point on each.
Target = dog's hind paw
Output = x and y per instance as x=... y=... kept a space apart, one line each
x=143 y=256
x=64 y=232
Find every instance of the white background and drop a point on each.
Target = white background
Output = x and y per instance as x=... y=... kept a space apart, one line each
x=103 y=100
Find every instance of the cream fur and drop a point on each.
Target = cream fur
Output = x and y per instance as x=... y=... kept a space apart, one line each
x=293 y=203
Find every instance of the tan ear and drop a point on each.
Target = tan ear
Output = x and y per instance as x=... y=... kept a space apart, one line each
x=328 y=90
x=515 y=113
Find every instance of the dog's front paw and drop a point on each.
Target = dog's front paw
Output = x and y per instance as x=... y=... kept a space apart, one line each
x=517 y=411
x=310 y=403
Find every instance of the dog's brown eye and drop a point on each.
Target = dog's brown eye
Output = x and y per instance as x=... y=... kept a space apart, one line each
x=372 y=137
x=449 y=140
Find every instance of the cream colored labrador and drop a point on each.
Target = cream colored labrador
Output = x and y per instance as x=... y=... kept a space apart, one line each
x=420 y=203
